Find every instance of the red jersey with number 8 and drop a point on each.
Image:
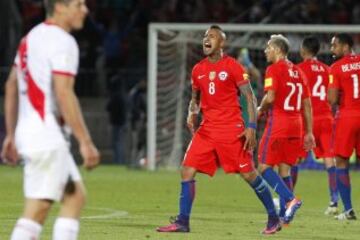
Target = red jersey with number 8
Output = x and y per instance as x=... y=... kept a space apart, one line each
x=218 y=83
x=345 y=76
x=289 y=84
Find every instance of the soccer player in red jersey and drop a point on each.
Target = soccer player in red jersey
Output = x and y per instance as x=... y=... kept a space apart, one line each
x=222 y=139
x=344 y=90
x=317 y=74
x=281 y=144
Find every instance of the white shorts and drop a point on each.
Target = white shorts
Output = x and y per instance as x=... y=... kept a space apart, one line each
x=47 y=172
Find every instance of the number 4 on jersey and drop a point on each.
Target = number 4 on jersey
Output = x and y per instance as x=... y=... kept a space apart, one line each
x=319 y=89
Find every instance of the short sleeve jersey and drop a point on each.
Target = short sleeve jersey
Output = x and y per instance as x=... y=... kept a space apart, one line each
x=46 y=50
x=345 y=76
x=290 y=87
x=218 y=85
x=317 y=75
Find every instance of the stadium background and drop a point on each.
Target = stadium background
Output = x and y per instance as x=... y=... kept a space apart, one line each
x=128 y=204
x=113 y=47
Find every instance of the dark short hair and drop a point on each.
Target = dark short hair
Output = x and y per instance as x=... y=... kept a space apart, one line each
x=345 y=38
x=281 y=42
x=311 y=44
x=50 y=5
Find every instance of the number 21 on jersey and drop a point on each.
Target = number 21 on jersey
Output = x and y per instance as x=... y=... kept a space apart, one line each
x=297 y=90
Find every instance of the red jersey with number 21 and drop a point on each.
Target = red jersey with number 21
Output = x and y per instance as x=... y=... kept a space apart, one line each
x=289 y=84
x=218 y=84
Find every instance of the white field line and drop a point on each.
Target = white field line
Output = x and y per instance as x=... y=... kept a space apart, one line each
x=104 y=213
x=109 y=213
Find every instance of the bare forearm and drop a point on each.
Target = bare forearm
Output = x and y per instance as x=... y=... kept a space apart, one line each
x=71 y=112
x=247 y=91
x=11 y=103
x=265 y=104
x=194 y=102
x=308 y=116
x=333 y=95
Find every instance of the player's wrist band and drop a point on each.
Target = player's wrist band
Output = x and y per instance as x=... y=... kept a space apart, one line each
x=251 y=125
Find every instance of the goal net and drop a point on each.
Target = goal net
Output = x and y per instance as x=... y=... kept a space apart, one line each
x=173 y=49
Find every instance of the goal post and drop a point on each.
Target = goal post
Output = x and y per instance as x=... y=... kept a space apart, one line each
x=173 y=49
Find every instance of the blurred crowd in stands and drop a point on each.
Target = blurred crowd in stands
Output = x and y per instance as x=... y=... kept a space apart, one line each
x=115 y=35
x=116 y=30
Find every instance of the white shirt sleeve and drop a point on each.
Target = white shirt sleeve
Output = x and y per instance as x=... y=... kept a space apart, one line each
x=65 y=59
x=17 y=60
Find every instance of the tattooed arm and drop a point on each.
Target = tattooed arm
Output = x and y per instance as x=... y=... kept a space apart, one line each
x=194 y=110
x=250 y=131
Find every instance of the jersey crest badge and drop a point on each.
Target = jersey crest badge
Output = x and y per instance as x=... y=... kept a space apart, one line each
x=212 y=75
x=223 y=75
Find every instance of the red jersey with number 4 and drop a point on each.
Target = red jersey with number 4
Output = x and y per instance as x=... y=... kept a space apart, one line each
x=289 y=84
x=218 y=85
x=317 y=75
x=345 y=76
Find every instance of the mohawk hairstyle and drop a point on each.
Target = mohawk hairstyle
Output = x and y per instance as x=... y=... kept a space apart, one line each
x=50 y=5
x=217 y=27
x=281 y=42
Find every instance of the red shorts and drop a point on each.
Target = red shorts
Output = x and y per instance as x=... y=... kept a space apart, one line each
x=323 y=133
x=323 y=128
x=211 y=148
x=347 y=136
x=273 y=151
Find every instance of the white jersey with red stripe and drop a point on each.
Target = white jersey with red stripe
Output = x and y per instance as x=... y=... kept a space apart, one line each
x=46 y=50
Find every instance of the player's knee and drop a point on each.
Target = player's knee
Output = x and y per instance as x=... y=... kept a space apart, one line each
x=262 y=167
x=341 y=162
x=75 y=194
x=284 y=170
x=188 y=173
x=249 y=177
x=37 y=210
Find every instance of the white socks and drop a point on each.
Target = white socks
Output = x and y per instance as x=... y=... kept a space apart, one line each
x=65 y=229
x=26 y=229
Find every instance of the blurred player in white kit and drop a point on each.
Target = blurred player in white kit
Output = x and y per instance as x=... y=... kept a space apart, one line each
x=40 y=104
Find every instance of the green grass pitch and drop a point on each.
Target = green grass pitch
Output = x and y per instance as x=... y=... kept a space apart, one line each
x=130 y=204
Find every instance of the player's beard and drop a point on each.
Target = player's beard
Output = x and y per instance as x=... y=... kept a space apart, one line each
x=215 y=55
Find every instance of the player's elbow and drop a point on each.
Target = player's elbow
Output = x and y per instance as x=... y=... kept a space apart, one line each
x=270 y=98
x=332 y=96
x=332 y=99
